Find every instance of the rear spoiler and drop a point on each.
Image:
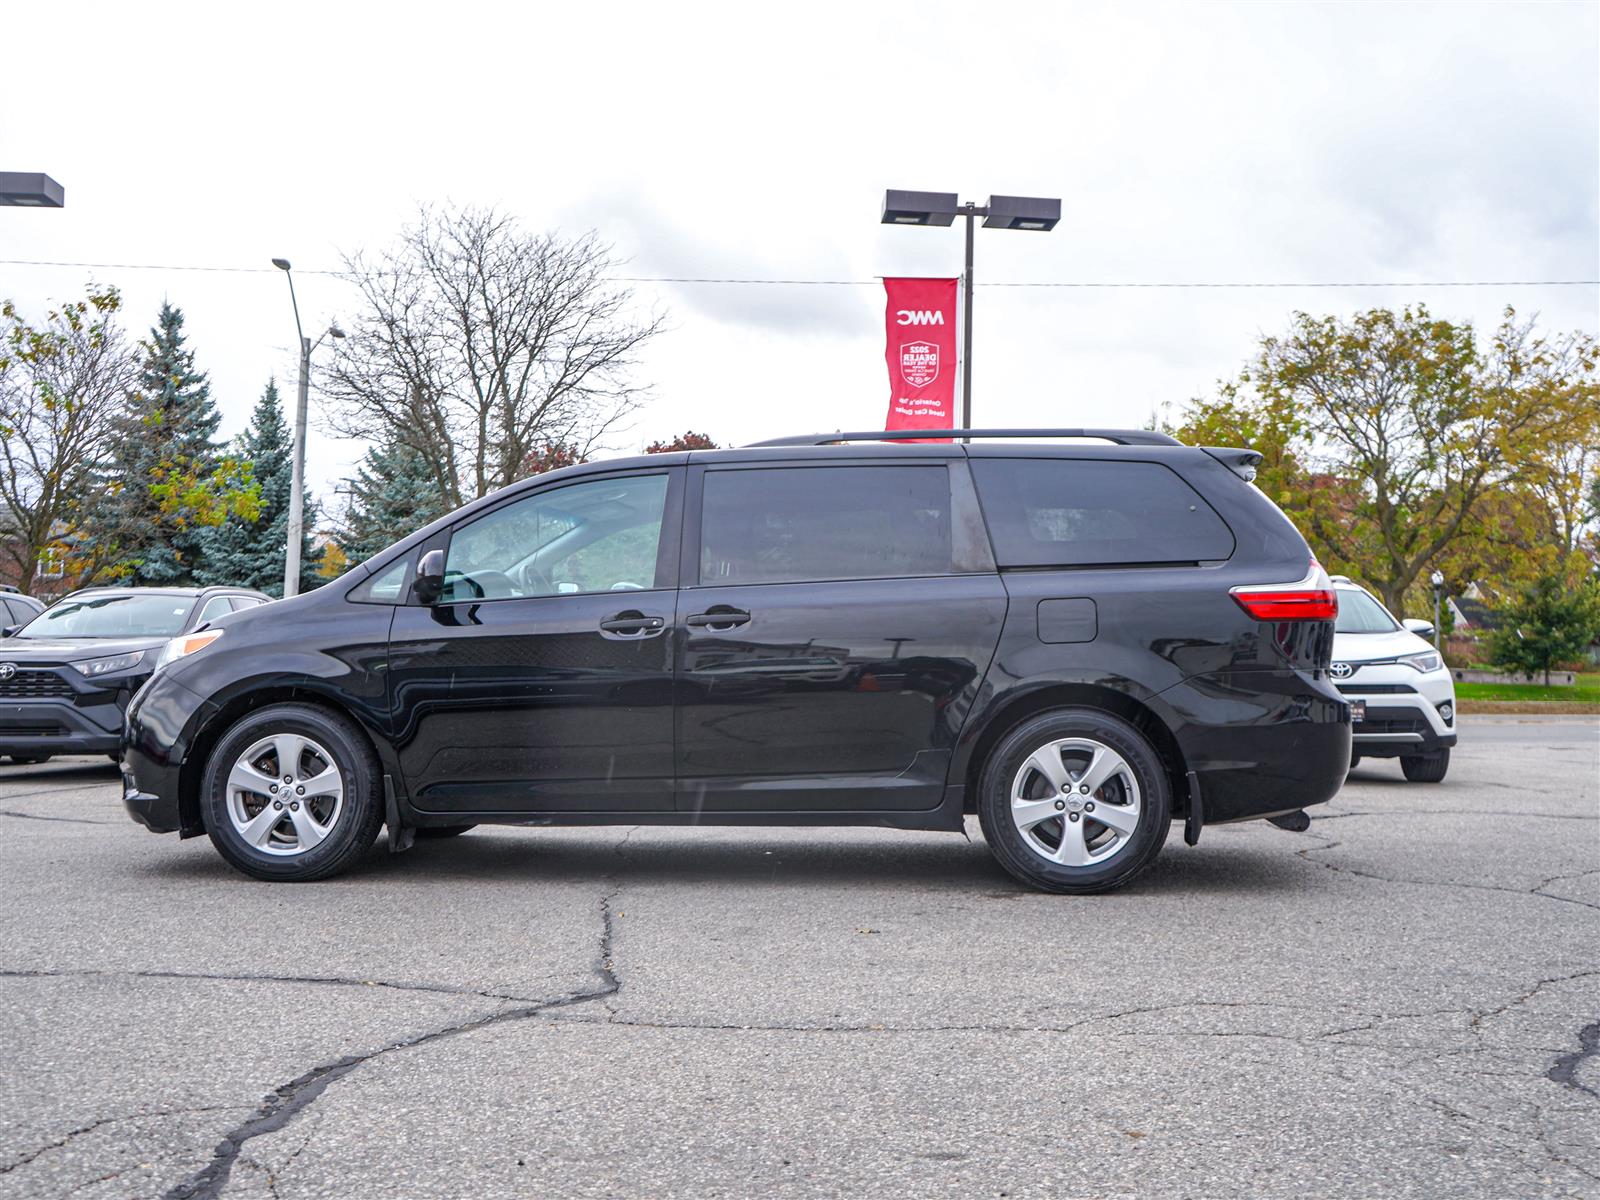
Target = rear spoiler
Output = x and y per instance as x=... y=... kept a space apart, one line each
x=1242 y=463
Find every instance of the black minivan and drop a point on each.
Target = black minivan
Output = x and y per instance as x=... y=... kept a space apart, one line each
x=1080 y=641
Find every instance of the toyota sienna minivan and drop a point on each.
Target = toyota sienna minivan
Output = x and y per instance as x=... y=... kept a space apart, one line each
x=1079 y=641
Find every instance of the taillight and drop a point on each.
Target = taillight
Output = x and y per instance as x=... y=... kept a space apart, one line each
x=1308 y=599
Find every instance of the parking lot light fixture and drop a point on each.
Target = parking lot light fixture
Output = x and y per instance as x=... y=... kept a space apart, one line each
x=1038 y=214
x=25 y=189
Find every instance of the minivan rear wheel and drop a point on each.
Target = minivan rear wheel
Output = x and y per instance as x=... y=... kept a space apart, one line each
x=292 y=793
x=1075 y=800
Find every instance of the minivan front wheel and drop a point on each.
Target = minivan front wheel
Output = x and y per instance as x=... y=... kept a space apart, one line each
x=1074 y=800
x=292 y=793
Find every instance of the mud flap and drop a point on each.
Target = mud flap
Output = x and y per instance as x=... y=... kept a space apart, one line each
x=1197 y=812
x=400 y=835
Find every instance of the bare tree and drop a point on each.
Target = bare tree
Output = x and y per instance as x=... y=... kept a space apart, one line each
x=479 y=343
x=60 y=385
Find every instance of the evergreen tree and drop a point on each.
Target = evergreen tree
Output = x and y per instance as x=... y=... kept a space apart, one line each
x=164 y=482
x=249 y=552
x=394 y=493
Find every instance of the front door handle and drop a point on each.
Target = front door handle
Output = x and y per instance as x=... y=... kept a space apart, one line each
x=633 y=623
x=719 y=616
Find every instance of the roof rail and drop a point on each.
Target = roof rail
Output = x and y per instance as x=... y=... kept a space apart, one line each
x=1123 y=437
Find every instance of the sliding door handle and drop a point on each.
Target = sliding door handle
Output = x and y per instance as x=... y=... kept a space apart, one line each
x=633 y=624
x=720 y=616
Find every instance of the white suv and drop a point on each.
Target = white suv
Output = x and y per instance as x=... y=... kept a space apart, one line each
x=1402 y=693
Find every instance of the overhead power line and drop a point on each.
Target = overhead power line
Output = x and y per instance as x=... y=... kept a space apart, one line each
x=779 y=282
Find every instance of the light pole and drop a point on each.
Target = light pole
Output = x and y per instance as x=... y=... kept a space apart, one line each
x=1035 y=213
x=1437 y=580
x=291 y=557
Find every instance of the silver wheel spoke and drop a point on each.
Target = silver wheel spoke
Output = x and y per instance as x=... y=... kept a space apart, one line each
x=1105 y=764
x=306 y=827
x=288 y=747
x=324 y=783
x=1028 y=813
x=1122 y=820
x=259 y=828
x=1047 y=761
x=246 y=778
x=1072 y=852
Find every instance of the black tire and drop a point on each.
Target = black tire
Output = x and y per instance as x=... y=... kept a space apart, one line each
x=353 y=829
x=1355 y=761
x=442 y=831
x=1019 y=857
x=29 y=760
x=1426 y=768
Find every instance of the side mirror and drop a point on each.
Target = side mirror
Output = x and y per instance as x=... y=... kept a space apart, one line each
x=9 y=630
x=428 y=584
x=1423 y=629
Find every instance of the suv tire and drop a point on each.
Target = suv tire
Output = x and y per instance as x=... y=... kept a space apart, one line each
x=1426 y=768
x=1032 y=786
x=327 y=813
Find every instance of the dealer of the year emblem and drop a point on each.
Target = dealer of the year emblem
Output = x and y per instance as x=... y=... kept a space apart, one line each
x=919 y=363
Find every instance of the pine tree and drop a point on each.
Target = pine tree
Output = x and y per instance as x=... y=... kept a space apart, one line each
x=164 y=482
x=249 y=552
x=393 y=494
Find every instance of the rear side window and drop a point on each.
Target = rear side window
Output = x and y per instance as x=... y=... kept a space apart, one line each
x=792 y=524
x=1081 y=512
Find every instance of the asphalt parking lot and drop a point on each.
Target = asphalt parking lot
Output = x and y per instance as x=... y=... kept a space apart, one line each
x=1404 y=1001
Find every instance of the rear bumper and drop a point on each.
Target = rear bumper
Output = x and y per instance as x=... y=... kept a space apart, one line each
x=1261 y=743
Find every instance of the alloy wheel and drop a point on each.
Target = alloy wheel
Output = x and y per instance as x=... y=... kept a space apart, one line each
x=1075 y=802
x=285 y=794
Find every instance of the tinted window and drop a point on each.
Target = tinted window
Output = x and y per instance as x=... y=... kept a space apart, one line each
x=599 y=536
x=384 y=587
x=1077 y=512
x=240 y=603
x=1360 y=613
x=143 y=614
x=786 y=524
x=14 y=611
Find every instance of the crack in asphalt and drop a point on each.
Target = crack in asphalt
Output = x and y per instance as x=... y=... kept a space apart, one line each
x=1305 y=853
x=442 y=989
x=1479 y=1017
x=73 y=1134
x=1452 y=812
x=22 y=816
x=1565 y=1069
x=287 y=1101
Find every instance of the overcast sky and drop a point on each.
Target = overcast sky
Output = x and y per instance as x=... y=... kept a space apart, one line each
x=1293 y=143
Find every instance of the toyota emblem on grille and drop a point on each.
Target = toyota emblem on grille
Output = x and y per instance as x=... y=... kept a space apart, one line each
x=7 y=670
x=1341 y=670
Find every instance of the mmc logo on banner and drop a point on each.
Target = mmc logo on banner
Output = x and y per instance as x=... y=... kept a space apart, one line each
x=920 y=320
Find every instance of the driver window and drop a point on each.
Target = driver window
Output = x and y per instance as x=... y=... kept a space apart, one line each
x=597 y=536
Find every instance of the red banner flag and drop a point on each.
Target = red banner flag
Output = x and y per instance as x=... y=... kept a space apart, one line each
x=920 y=320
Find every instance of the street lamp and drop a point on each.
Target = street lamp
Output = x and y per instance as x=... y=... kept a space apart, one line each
x=291 y=558
x=1035 y=213
x=1437 y=580
x=23 y=189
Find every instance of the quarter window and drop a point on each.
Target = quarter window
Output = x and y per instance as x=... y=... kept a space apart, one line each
x=598 y=536
x=787 y=524
x=1081 y=512
x=215 y=607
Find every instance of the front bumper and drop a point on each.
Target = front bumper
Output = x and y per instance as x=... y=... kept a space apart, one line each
x=155 y=741
x=78 y=721
x=1403 y=715
x=158 y=814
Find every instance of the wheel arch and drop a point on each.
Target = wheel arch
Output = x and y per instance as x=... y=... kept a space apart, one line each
x=995 y=725
x=228 y=713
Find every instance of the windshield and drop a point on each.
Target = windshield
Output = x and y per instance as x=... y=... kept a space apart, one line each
x=1360 y=613
x=112 y=616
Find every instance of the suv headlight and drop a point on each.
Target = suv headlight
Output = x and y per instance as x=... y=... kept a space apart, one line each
x=189 y=643
x=1422 y=662
x=105 y=666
